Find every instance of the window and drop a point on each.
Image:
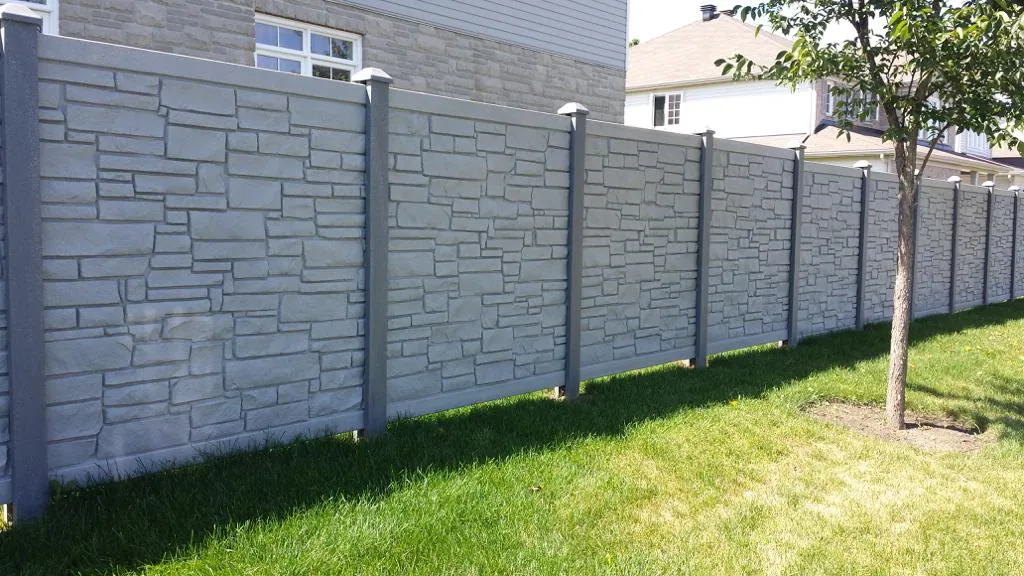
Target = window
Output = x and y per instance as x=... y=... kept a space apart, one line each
x=46 y=9
x=297 y=48
x=867 y=101
x=928 y=132
x=830 y=100
x=668 y=109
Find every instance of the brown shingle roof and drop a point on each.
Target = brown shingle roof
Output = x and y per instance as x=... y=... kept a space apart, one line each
x=687 y=55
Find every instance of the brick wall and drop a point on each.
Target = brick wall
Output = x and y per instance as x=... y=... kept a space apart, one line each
x=419 y=56
x=204 y=253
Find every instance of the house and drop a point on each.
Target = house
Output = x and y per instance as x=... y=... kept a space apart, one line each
x=672 y=83
x=521 y=53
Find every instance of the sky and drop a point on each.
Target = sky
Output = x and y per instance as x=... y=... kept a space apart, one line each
x=651 y=18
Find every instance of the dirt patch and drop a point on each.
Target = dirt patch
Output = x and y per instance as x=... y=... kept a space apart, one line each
x=924 y=432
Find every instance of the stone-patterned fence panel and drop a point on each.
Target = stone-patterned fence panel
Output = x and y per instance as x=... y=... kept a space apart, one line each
x=830 y=247
x=639 y=248
x=934 y=250
x=202 y=257
x=752 y=196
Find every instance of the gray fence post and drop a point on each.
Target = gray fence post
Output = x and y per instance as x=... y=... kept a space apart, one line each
x=990 y=189
x=20 y=32
x=375 y=378
x=862 y=258
x=1013 y=247
x=955 y=181
x=794 y=260
x=707 y=157
x=577 y=161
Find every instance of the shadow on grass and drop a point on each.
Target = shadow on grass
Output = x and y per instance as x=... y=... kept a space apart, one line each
x=121 y=526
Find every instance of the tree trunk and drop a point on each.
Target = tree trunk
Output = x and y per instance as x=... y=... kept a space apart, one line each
x=901 y=315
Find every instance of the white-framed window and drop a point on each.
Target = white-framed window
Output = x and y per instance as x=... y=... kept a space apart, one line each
x=668 y=109
x=869 y=102
x=48 y=10
x=298 y=48
x=830 y=100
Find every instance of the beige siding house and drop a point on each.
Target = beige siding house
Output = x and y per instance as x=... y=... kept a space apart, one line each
x=673 y=84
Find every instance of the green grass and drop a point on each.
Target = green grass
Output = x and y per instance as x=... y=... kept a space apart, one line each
x=668 y=471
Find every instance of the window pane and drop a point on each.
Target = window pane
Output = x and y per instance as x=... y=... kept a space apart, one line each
x=340 y=74
x=291 y=66
x=341 y=49
x=659 y=110
x=267 y=62
x=319 y=44
x=321 y=71
x=266 y=34
x=290 y=38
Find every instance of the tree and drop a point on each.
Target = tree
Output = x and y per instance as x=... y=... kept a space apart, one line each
x=931 y=66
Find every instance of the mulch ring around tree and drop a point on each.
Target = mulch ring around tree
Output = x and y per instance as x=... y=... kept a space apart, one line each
x=934 y=434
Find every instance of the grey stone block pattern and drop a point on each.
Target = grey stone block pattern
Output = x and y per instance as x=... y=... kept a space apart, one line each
x=203 y=262
x=641 y=222
x=750 y=247
x=1002 y=247
x=882 y=239
x=829 y=244
x=934 y=251
x=971 y=249
x=477 y=260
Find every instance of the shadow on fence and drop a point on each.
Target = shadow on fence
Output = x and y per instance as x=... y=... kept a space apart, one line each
x=161 y=514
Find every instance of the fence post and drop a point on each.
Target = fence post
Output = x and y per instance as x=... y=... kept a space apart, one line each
x=955 y=181
x=794 y=260
x=577 y=161
x=20 y=32
x=862 y=259
x=990 y=192
x=1013 y=248
x=375 y=370
x=707 y=156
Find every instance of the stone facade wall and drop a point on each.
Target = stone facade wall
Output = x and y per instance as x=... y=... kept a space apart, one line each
x=204 y=255
x=934 y=251
x=1002 y=247
x=830 y=249
x=203 y=259
x=882 y=240
x=971 y=247
x=751 y=205
x=418 y=56
x=477 y=257
x=640 y=250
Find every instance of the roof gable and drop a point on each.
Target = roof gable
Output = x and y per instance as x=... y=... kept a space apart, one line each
x=687 y=55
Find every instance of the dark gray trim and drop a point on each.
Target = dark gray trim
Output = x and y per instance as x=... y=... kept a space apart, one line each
x=988 y=244
x=28 y=461
x=707 y=157
x=957 y=198
x=1013 y=246
x=862 y=256
x=577 y=161
x=375 y=383
x=794 y=245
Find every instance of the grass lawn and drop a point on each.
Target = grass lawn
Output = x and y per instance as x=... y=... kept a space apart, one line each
x=668 y=471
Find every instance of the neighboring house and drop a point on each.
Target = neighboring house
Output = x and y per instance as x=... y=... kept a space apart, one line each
x=523 y=53
x=672 y=83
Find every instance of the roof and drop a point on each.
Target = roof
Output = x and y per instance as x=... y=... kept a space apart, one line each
x=687 y=55
x=827 y=142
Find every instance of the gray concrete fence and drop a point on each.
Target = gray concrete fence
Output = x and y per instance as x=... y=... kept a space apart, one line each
x=202 y=257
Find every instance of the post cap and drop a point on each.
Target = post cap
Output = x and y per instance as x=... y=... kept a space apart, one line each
x=1013 y=189
x=372 y=75
x=707 y=131
x=798 y=145
x=20 y=13
x=573 y=108
x=988 y=184
x=863 y=165
x=953 y=179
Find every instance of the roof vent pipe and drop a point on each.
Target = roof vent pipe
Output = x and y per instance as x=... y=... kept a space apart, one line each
x=708 y=12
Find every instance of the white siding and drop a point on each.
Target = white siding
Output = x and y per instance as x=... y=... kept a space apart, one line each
x=590 y=30
x=973 y=143
x=732 y=110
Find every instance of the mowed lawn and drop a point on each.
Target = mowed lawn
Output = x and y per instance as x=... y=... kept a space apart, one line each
x=668 y=471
